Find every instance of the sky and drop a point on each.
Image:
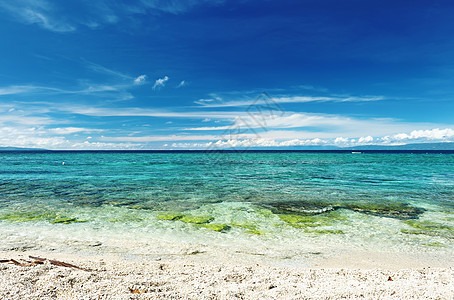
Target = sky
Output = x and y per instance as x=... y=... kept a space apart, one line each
x=220 y=74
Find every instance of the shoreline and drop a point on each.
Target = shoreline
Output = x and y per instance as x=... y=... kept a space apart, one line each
x=200 y=276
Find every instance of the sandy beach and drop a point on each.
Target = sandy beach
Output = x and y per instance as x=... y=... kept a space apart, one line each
x=198 y=276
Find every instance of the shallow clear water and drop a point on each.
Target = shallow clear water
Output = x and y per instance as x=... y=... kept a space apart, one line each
x=279 y=204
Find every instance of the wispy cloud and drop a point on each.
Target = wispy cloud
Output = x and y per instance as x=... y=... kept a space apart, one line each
x=290 y=99
x=159 y=138
x=182 y=84
x=38 y=12
x=175 y=6
x=160 y=82
x=23 y=89
x=54 y=16
x=107 y=71
x=115 y=86
x=145 y=112
x=71 y=130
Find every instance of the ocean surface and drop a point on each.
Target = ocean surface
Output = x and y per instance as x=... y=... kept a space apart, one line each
x=279 y=205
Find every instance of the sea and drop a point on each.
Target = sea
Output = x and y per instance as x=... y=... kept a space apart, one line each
x=277 y=205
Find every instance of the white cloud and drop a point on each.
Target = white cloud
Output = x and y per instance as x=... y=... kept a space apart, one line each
x=142 y=79
x=86 y=145
x=431 y=134
x=249 y=143
x=54 y=139
x=161 y=82
x=365 y=140
x=340 y=141
x=215 y=101
x=182 y=84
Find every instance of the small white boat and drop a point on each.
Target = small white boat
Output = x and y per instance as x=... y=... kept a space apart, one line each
x=356 y=152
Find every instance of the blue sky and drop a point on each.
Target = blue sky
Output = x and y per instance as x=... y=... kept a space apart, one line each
x=152 y=74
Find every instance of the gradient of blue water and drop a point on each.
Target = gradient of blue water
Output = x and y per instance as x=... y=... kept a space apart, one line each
x=113 y=190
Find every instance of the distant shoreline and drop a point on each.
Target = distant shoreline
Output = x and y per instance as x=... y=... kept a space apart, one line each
x=341 y=151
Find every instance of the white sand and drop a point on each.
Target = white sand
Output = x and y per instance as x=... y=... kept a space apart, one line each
x=202 y=277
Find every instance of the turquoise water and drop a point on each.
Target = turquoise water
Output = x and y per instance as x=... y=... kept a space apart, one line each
x=275 y=202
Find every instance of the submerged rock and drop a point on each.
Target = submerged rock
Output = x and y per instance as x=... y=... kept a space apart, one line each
x=299 y=207
x=397 y=210
x=402 y=211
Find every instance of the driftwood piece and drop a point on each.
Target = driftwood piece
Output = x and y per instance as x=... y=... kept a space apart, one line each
x=63 y=264
x=37 y=258
x=14 y=262
x=40 y=261
x=18 y=263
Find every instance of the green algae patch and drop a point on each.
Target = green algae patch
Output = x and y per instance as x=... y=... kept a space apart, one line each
x=434 y=244
x=325 y=231
x=39 y=216
x=409 y=231
x=443 y=234
x=301 y=221
x=215 y=227
x=248 y=226
x=28 y=216
x=196 y=219
x=67 y=221
x=192 y=219
x=429 y=228
x=169 y=217
x=428 y=225
x=264 y=212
